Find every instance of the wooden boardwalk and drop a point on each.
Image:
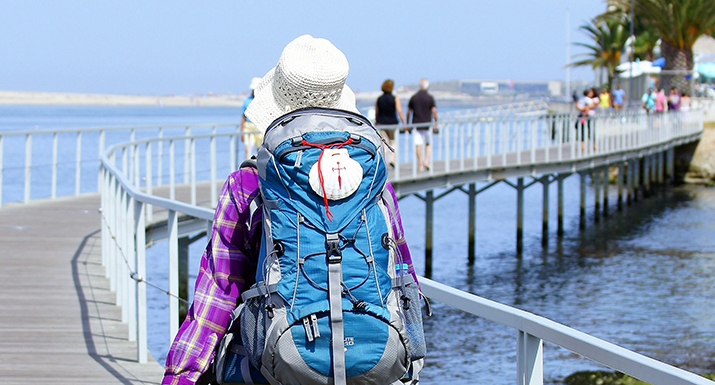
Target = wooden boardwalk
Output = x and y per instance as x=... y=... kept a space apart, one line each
x=59 y=324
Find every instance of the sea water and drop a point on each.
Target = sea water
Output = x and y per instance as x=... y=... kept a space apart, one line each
x=643 y=278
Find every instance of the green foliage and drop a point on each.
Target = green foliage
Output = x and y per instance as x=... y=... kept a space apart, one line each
x=608 y=38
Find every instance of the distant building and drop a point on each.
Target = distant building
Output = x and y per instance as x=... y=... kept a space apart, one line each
x=511 y=87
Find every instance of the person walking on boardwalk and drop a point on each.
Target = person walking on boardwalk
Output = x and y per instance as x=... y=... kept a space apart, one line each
x=251 y=141
x=604 y=99
x=674 y=99
x=386 y=107
x=229 y=263
x=648 y=100
x=422 y=109
x=618 y=97
x=660 y=101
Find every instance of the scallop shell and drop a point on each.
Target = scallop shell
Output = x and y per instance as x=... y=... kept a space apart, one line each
x=341 y=174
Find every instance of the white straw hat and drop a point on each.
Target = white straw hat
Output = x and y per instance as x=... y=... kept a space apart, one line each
x=254 y=83
x=311 y=72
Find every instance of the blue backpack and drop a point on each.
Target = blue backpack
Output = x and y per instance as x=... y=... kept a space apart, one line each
x=333 y=302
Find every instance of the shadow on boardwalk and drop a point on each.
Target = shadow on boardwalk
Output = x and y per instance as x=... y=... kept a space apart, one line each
x=60 y=324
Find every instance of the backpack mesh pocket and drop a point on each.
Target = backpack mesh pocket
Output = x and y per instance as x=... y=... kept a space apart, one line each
x=413 y=323
x=253 y=328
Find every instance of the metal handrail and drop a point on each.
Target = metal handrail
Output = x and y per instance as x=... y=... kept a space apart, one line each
x=79 y=159
x=125 y=208
x=462 y=144
x=532 y=330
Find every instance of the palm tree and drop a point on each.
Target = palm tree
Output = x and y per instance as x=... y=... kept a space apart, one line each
x=608 y=39
x=646 y=37
x=679 y=23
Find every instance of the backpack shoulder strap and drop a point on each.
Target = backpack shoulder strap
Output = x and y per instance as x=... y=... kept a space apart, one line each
x=390 y=203
x=257 y=201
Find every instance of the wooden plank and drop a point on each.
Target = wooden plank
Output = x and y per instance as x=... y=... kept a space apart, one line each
x=59 y=323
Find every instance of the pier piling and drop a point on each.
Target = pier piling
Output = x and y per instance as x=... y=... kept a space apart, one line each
x=560 y=205
x=545 y=211
x=582 y=210
x=184 y=243
x=519 y=216
x=596 y=193
x=471 y=252
x=429 y=226
x=605 y=190
x=619 y=182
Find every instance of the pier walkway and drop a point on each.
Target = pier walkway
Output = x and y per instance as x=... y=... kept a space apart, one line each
x=73 y=283
x=60 y=323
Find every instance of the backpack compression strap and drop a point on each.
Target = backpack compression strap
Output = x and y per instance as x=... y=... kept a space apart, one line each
x=335 y=297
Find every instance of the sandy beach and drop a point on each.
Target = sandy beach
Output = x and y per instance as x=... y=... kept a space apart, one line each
x=65 y=98
x=68 y=98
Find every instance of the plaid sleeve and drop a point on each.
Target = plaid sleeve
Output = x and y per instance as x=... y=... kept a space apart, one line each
x=396 y=221
x=228 y=267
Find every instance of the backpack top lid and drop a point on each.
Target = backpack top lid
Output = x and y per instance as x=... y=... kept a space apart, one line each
x=293 y=147
x=313 y=119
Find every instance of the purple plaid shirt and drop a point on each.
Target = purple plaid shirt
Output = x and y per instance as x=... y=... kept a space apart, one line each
x=228 y=268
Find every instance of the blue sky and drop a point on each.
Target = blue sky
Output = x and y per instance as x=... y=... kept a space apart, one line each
x=183 y=47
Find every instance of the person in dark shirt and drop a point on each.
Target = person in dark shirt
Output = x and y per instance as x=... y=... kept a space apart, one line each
x=385 y=108
x=422 y=109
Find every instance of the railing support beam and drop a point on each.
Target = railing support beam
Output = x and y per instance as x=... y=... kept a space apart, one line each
x=530 y=359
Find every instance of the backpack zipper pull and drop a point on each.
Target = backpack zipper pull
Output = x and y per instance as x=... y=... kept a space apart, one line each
x=308 y=331
x=314 y=320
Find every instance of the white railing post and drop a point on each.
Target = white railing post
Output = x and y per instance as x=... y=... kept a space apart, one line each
x=119 y=236
x=137 y=166
x=149 y=182
x=476 y=134
x=28 y=167
x=131 y=293
x=503 y=133
x=462 y=145
x=172 y=224
x=141 y=317
x=172 y=171
x=193 y=171
x=100 y=150
x=111 y=220
x=488 y=143
x=529 y=359
x=231 y=152
x=212 y=151
x=397 y=154
x=159 y=158
x=447 y=152
x=106 y=237
x=187 y=151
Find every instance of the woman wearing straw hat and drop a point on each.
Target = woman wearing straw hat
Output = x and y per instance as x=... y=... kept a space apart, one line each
x=311 y=72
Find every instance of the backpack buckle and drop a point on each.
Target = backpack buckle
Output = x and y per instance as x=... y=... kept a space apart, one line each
x=332 y=248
